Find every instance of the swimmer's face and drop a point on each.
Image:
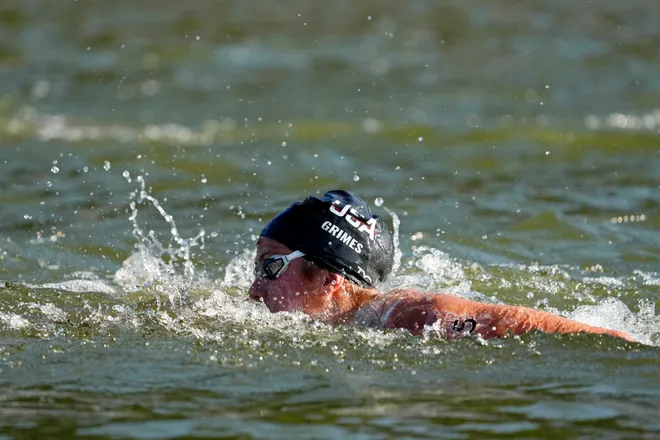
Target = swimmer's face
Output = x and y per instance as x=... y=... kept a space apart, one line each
x=297 y=289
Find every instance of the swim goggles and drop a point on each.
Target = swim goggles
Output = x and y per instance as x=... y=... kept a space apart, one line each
x=275 y=265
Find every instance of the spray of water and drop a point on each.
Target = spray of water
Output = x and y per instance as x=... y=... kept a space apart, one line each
x=614 y=314
x=183 y=246
x=396 y=223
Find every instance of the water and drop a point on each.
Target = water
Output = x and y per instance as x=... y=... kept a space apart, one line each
x=143 y=147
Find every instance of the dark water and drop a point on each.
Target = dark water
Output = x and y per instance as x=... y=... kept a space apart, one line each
x=144 y=144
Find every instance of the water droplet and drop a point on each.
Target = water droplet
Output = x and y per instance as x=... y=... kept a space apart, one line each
x=54 y=170
x=371 y=125
x=127 y=176
x=85 y=169
x=106 y=165
x=204 y=180
x=378 y=201
x=284 y=144
x=356 y=178
x=49 y=184
x=41 y=89
x=420 y=139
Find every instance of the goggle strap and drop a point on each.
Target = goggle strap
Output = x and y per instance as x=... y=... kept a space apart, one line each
x=292 y=256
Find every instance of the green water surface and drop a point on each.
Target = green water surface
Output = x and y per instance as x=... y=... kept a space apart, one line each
x=517 y=144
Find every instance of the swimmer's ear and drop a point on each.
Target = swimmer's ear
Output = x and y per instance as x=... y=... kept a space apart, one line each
x=333 y=282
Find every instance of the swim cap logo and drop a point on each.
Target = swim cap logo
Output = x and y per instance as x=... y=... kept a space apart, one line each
x=352 y=217
x=364 y=274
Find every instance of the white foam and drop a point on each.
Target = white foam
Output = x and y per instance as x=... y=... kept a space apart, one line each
x=140 y=270
x=80 y=286
x=50 y=310
x=650 y=279
x=240 y=270
x=14 y=321
x=440 y=267
x=604 y=281
x=613 y=314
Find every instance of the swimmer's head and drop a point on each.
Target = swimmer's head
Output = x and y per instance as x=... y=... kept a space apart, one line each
x=337 y=232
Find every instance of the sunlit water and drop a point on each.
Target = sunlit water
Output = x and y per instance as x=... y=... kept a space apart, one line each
x=514 y=148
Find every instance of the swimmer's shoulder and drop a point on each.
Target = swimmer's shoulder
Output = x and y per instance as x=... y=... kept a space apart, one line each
x=406 y=298
x=402 y=308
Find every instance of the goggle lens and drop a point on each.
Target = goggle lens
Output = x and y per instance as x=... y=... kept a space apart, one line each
x=275 y=265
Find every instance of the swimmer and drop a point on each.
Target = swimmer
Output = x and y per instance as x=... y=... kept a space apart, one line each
x=326 y=256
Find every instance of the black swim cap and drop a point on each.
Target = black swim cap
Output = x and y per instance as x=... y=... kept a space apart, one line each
x=337 y=232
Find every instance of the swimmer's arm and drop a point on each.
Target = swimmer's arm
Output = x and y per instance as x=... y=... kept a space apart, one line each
x=496 y=320
x=460 y=317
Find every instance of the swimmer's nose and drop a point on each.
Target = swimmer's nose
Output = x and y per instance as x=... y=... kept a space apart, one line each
x=256 y=291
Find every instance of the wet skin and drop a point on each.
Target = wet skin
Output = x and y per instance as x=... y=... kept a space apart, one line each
x=298 y=289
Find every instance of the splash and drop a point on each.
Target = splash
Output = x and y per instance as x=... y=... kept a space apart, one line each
x=239 y=270
x=14 y=321
x=428 y=269
x=398 y=255
x=613 y=314
x=153 y=263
